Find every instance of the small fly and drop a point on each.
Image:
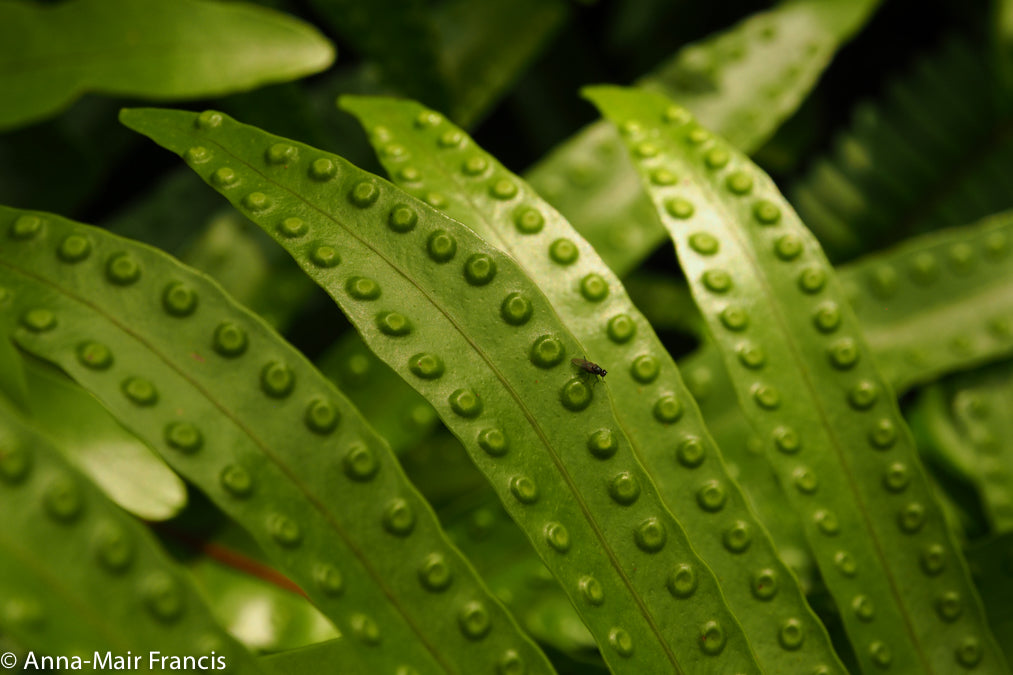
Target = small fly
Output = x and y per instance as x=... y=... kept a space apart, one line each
x=589 y=367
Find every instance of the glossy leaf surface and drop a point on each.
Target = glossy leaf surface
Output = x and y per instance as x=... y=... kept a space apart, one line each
x=163 y=49
x=468 y=184
x=124 y=467
x=243 y=416
x=469 y=330
x=807 y=382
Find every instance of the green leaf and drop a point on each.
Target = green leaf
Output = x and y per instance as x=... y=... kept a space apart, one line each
x=468 y=329
x=486 y=534
x=743 y=83
x=934 y=152
x=807 y=381
x=397 y=411
x=742 y=449
x=244 y=417
x=937 y=303
x=234 y=252
x=125 y=468
x=163 y=49
x=441 y=469
x=471 y=186
x=333 y=656
x=975 y=430
x=78 y=576
x=264 y=616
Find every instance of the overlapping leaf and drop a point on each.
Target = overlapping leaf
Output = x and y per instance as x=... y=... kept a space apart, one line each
x=743 y=83
x=652 y=405
x=806 y=380
x=243 y=415
x=464 y=325
x=80 y=577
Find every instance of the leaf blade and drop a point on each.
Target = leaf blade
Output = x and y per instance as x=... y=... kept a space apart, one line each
x=643 y=379
x=248 y=420
x=47 y=61
x=128 y=595
x=809 y=389
x=473 y=352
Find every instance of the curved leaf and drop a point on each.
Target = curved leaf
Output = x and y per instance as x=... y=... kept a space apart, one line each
x=463 y=325
x=80 y=577
x=808 y=384
x=163 y=49
x=467 y=184
x=243 y=415
x=743 y=83
x=262 y=615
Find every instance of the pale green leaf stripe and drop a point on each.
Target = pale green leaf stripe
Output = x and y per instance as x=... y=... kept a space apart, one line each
x=807 y=382
x=78 y=576
x=243 y=415
x=938 y=303
x=52 y=54
x=460 y=322
x=471 y=186
x=743 y=83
